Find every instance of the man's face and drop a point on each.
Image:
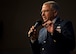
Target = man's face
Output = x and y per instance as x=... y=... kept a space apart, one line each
x=47 y=12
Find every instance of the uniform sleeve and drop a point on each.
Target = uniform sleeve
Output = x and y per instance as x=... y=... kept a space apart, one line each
x=35 y=47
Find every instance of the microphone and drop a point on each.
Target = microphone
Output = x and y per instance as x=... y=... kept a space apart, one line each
x=37 y=23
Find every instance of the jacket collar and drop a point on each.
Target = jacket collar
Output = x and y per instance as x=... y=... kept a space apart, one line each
x=57 y=22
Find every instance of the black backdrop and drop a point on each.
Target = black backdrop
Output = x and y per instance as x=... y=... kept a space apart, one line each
x=16 y=18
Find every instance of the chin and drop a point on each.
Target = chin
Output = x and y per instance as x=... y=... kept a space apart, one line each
x=45 y=20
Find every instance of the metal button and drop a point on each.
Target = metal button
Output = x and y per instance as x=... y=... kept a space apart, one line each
x=42 y=48
x=51 y=33
x=54 y=40
x=44 y=41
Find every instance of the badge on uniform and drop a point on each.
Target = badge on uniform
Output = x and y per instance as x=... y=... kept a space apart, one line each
x=58 y=28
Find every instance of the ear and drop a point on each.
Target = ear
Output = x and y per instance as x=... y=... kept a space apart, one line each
x=55 y=12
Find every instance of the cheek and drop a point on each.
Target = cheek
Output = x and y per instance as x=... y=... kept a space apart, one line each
x=48 y=15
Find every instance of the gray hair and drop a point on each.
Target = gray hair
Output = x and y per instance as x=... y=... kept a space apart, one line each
x=54 y=4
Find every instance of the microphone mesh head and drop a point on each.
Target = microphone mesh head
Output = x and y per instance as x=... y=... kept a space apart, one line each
x=38 y=23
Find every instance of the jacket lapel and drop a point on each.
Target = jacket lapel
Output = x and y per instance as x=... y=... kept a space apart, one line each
x=57 y=22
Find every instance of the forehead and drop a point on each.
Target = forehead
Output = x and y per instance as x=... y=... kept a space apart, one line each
x=46 y=6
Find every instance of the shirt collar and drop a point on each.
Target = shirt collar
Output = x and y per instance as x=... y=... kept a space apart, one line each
x=54 y=20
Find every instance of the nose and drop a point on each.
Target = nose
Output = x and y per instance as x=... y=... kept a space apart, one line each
x=42 y=14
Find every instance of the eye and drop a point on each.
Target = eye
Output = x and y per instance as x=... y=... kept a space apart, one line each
x=44 y=11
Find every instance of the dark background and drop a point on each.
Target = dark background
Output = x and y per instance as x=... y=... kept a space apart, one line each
x=17 y=16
